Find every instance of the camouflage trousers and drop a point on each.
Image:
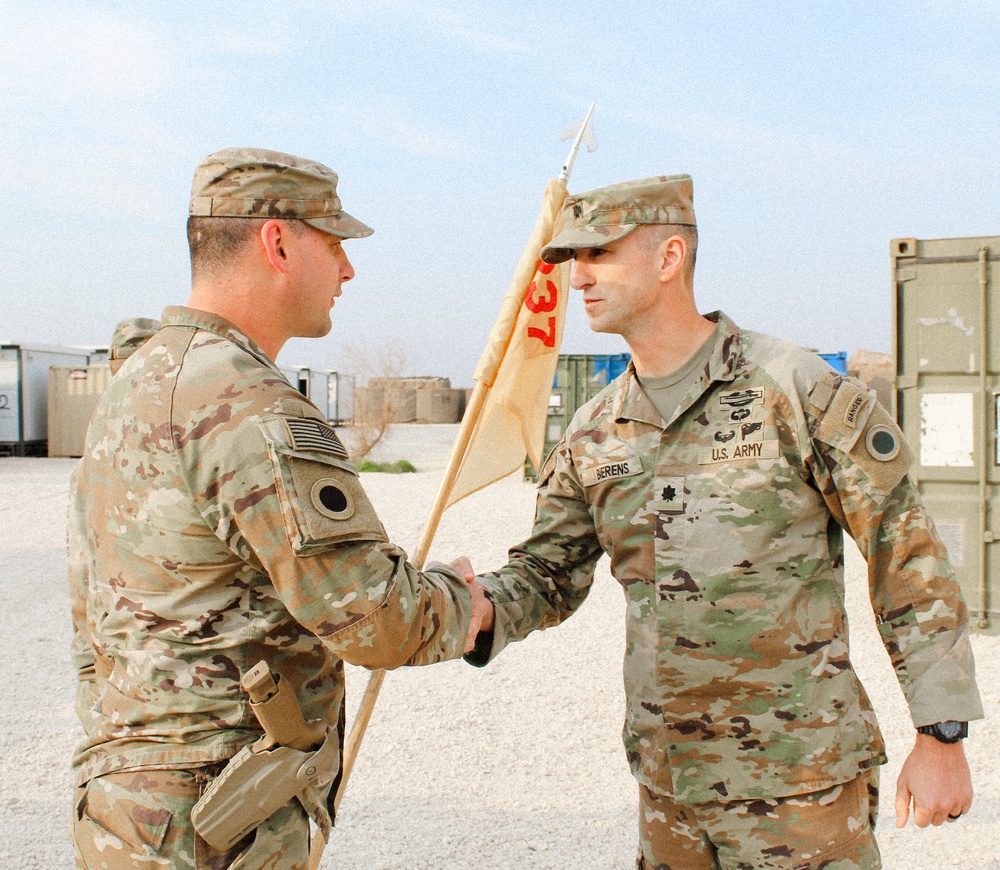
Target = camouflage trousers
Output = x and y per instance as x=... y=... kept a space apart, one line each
x=142 y=819
x=833 y=829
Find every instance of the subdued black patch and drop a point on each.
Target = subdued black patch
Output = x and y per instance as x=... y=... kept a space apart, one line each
x=883 y=443
x=333 y=499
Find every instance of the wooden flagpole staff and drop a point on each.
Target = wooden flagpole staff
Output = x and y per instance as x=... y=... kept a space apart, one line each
x=504 y=335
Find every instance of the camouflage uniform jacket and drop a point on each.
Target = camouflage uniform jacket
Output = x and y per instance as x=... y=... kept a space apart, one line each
x=723 y=526
x=216 y=520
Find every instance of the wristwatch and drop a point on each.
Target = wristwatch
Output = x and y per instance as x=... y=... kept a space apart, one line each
x=947 y=732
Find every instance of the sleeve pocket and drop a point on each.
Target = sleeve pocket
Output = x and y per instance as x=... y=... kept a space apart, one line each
x=322 y=500
x=882 y=453
x=873 y=454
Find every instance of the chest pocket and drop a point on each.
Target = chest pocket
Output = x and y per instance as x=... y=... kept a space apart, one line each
x=616 y=488
x=322 y=500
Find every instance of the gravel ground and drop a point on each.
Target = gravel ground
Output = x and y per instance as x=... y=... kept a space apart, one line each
x=515 y=765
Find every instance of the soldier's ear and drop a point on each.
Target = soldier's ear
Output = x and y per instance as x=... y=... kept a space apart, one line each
x=273 y=237
x=672 y=253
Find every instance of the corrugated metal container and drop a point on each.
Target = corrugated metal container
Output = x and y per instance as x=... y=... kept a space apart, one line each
x=610 y=366
x=73 y=395
x=340 y=398
x=310 y=382
x=24 y=384
x=579 y=377
x=837 y=359
x=947 y=399
x=877 y=370
x=439 y=406
x=319 y=390
x=293 y=375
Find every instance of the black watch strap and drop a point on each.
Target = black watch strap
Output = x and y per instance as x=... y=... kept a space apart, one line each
x=947 y=732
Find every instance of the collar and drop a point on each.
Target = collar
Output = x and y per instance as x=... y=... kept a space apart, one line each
x=631 y=403
x=195 y=318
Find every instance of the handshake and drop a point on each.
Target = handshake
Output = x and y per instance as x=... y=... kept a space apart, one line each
x=482 y=607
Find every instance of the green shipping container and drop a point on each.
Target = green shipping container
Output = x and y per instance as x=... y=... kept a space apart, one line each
x=947 y=400
x=579 y=377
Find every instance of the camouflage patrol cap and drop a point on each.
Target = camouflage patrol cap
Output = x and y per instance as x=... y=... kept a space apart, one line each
x=255 y=182
x=608 y=214
x=129 y=336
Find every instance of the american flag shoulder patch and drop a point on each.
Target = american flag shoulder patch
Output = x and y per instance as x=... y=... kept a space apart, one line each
x=308 y=433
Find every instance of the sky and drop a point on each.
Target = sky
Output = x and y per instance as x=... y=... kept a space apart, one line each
x=815 y=132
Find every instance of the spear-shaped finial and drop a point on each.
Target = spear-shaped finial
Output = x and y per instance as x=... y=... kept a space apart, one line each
x=584 y=132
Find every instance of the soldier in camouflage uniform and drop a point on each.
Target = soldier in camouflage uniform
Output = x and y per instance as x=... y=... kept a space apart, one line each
x=216 y=520
x=718 y=473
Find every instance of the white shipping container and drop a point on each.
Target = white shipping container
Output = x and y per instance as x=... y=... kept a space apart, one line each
x=319 y=390
x=313 y=384
x=24 y=383
x=340 y=394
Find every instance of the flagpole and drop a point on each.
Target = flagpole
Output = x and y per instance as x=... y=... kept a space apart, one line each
x=567 y=169
x=353 y=743
x=470 y=420
x=485 y=374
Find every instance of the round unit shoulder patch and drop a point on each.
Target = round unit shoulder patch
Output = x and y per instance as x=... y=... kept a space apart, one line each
x=882 y=443
x=331 y=499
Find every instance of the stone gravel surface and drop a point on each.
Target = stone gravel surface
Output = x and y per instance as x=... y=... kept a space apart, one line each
x=515 y=765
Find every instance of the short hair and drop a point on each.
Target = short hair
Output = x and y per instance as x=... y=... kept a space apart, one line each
x=657 y=233
x=215 y=242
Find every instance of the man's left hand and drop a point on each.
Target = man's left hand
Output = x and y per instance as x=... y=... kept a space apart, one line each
x=935 y=777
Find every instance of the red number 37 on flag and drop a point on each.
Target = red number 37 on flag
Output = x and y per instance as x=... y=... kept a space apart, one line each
x=542 y=304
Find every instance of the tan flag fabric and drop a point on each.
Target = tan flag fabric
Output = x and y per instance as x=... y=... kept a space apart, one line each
x=519 y=362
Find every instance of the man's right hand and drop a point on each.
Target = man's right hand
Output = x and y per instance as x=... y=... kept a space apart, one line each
x=482 y=607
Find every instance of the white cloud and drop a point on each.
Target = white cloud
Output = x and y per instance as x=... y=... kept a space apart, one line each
x=448 y=19
x=103 y=191
x=60 y=55
x=221 y=40
x=386 y=125
x=766 y=149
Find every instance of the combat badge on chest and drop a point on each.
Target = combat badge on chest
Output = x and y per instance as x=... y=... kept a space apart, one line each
x=739 y=434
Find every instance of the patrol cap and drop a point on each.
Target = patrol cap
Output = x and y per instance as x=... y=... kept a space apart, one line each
x=255 y=182
x=608 y=214
x=129 y=336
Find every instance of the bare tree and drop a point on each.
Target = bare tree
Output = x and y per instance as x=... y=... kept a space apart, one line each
x=374 y=405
